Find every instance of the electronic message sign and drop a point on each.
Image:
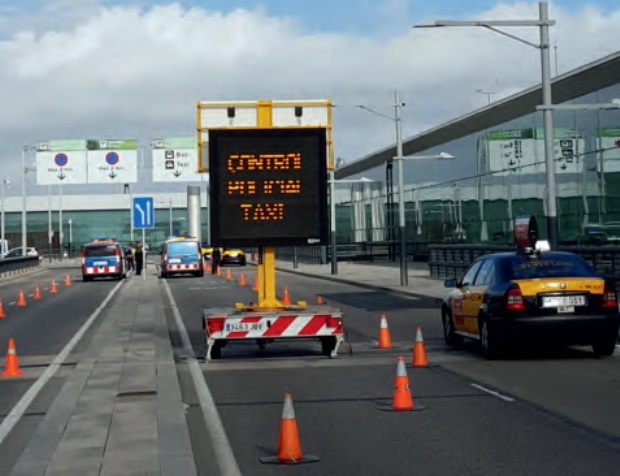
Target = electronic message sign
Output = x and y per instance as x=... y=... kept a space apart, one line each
x=268 y=186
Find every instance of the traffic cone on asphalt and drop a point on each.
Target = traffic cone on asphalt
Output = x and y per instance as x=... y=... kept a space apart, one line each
x=67 y=280
x=11 y=365
x=286 y=300
x=289 y=445
x=21 y=300
x=53 y=288
x=242 y=281
x=256 y=283
x=219 y=271
x=385 y=341
x=228 y=274
x=419 y=350
x=37 y=292
x=2 y=313
x=402 y=400
x=319 y=300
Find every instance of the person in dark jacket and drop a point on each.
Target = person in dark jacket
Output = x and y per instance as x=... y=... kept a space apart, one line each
x=139 y=257
x=129 y=257
x=216 y=257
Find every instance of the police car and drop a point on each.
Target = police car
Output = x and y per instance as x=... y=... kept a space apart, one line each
x=532 y=293
x=103 y=257
x=180 y=255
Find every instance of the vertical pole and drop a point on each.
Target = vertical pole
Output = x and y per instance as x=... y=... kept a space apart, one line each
x=545 y=60
x=24 y=211
x=404 y=277
x=130 y=213
x=143 y=252
x=170 y=216
x=50 y=230
x=60 y=224
x=2 y=232
x=295 y=258
x=332 y=217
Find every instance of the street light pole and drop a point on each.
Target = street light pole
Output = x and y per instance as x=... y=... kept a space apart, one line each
x=543 y=23
x=24 y=212
x=5 y=182
x=404 y=275
x=332 y=224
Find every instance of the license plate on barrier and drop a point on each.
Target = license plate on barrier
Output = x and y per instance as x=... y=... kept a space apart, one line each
x=244 y=326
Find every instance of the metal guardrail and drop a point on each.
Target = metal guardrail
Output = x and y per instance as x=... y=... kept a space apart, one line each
x=12 y=266
x=451 y=261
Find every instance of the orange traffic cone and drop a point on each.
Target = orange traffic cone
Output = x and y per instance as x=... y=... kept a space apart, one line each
x=67 y=280
x=37 y=292
x=256 y=283
x=289 y=445
x=219 y=271
x=21 y=300
x=2 y=313
x=286 y=300
x=419 y=351
x=402 y=400
x=385 y=341
x=53 y=288
x=228 y=274
x=319 y=300
x=11 y=365
x=242 y=281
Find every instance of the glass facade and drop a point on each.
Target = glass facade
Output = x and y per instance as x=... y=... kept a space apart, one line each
x=86 y=225
x=499 y=173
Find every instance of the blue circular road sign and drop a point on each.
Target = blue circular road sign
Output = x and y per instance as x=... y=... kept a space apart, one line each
x=111 y=158
x=61 y=159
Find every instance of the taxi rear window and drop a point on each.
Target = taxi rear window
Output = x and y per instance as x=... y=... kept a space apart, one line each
x=99 y=250
x=182 y=248
x=554 y=266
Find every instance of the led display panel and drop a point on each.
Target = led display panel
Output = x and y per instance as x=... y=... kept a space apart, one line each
x=268 y=187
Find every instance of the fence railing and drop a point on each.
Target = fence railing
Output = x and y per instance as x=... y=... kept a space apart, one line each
x=11 y=266
x=451 y=261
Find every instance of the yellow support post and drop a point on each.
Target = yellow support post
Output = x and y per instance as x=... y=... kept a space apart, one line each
x=267 y=270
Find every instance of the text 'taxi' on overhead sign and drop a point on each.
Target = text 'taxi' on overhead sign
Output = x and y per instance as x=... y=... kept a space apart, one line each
x=268 y=186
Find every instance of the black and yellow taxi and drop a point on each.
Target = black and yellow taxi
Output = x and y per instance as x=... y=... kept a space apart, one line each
x=532 y=293
x=233 y=256
x=181 y=255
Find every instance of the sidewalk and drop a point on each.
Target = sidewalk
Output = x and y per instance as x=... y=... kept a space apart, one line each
x=120 y=412
x=384 y=275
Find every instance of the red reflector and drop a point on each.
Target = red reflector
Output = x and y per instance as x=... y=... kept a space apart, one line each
x=609 y=296
x=215 y=324
x=514 y=299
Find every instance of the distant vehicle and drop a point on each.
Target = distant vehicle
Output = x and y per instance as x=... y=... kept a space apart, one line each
x=17 y=252
x=182 y=255
x=233 y=256
x=103 y=257
x=5 y=246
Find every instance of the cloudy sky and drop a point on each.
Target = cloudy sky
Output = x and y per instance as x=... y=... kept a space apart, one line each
x=78 y=69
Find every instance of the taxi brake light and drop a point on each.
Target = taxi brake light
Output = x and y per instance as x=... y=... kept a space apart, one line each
x=514 y=300
x=215 y=324
x=609 y=296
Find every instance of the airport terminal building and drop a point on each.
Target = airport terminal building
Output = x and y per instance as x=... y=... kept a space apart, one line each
x=499 y=173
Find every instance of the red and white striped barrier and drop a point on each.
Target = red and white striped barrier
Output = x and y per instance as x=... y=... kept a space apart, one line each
x=102 y=270
x=180 y=267
x=317 y=323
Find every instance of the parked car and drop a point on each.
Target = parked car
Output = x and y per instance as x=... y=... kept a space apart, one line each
x=17 y=252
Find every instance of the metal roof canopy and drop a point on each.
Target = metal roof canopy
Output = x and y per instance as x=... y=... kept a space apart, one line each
x=573 y=84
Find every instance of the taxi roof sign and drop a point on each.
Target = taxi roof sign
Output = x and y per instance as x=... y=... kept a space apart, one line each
x=102 y=241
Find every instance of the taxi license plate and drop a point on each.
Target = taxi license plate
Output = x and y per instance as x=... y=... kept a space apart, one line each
x=100 y=263
x=563 y=302
x=244 y=326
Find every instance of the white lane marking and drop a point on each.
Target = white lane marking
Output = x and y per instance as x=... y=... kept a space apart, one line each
x=22 y=405
x=492 y=392
x=223 y=451
x=617 y=346
x=12 y=303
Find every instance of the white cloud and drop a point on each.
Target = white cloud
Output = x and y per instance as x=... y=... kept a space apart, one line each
x=133 y=72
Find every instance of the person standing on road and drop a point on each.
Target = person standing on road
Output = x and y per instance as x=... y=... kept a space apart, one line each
x=216 y=257
x=129 y=257
x=139 y=257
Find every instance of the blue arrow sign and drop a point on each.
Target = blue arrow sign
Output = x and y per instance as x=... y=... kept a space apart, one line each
x=143 y=213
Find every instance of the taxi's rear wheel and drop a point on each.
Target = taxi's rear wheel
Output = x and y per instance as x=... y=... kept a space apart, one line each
x=452 y=339
x=488 y=340
x=604 y=346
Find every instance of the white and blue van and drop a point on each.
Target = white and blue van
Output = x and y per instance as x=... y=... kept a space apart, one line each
x=103 y=257
x=180 y=255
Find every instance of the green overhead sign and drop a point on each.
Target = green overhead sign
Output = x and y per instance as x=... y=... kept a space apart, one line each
x=112 y=144
x=175 y=143
x=609 y=132
x=61 y=146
